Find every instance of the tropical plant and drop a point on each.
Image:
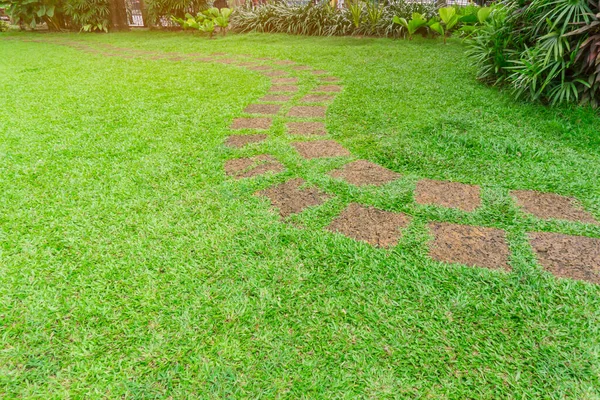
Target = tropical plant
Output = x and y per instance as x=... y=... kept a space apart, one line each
x=206 y=21
x=160 y=11
x=417 y=22
x=4 y=26
x=546 y=50
x=89 y=15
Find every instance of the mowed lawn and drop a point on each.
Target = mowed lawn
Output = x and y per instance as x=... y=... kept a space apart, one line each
x=131 y=266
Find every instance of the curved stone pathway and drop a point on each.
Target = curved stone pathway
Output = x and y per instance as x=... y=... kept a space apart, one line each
x=564 y=255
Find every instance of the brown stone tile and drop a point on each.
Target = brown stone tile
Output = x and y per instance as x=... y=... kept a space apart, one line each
x=285 y=80
x=317 y=98
x=238 y=141
x=320 y=149
x=329 y=79
x=319 y=72
x=369 y=224
x=469 y=245
x=253 y=166
x=307 y=111
x=301 y=68
x=328 y=88
x=306 y=128
x=259 y=68
x=283 y=62
x=276 y=97
x=283 y=88
x=448 y=194
x=269 y=109
x=274 y=73
x=251 y=123
x=291 y=198
x=362 y=173
x=551 y=206
x=565 y=256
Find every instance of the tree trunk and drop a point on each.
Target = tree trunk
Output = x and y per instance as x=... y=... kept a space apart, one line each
x=118 y=16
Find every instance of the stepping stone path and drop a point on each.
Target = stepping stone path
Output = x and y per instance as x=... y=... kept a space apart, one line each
x=251 y=123
x=551 y=206
x=362 y=173
x=306 y=128
x=307 y=112
x=469 y=245
x=238 y=141
x=448 y=194
x=253 y=166
x=563 y=255
x=369 y=224
x=568 y=256
x=320 y=149
x=293 y=197
x=270 y=109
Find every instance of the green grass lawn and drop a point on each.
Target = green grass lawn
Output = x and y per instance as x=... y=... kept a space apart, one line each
x=132 y=267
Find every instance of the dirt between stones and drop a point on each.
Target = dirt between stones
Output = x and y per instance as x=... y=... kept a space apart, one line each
x=368 y=224
x=267 y=109
x=575 y=257
x=362 y=173
x=469 y=245
x=308 y=111
x=448 y=194
x=306 y=128
x=238 y=141
x=320 y=149
x=253 y=166
x=551 y=206
x=251 y=123
x=291 y=198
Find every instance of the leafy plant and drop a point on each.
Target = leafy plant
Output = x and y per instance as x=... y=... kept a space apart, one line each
x=356 y=9
x=4 y=26
x=417 y=22
x=89 y=15
x=206 y=21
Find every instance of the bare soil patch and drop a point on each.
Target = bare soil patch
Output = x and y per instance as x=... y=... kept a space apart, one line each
x=251 y=123
x=320 y=149
x=368 y=224
x=308 y=111
x=269 y=109
x=362 y=173
x=306 y=128
x=565 y=256
x=276 y=97
x=448 y=194
x=238 y=141
x=317 y=98
x=252 y=166
x=551 y=206
x=469 y=245
x=283 y=88
x=329 y=88
x=291 y=198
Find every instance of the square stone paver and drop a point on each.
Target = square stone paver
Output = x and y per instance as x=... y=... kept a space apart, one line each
x=320 y=149
x=469 y=245
x=566 y=256
x=308 y=111
x=283 y=62
x=306 y=128
x=448 y=194
x=274 y=73
x=551 y=206
x=301 y=68
x=260 y=68
x=291 y=198
x=283 y=88
x=238 y=141
x=319 y=72
x=251 y=123
x=269 y=109
x=276 y=97
x=362 y=173
x=369 y=224
x=252 y=166
x=317 y=98
x=328 y=88
x=329 y=79
x=285 y=80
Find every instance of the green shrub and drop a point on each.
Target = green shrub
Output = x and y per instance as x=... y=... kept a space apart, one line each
x=89 y=15
x=4 y=26
x=160 y=11
x=545 y=50
x=206 y=21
